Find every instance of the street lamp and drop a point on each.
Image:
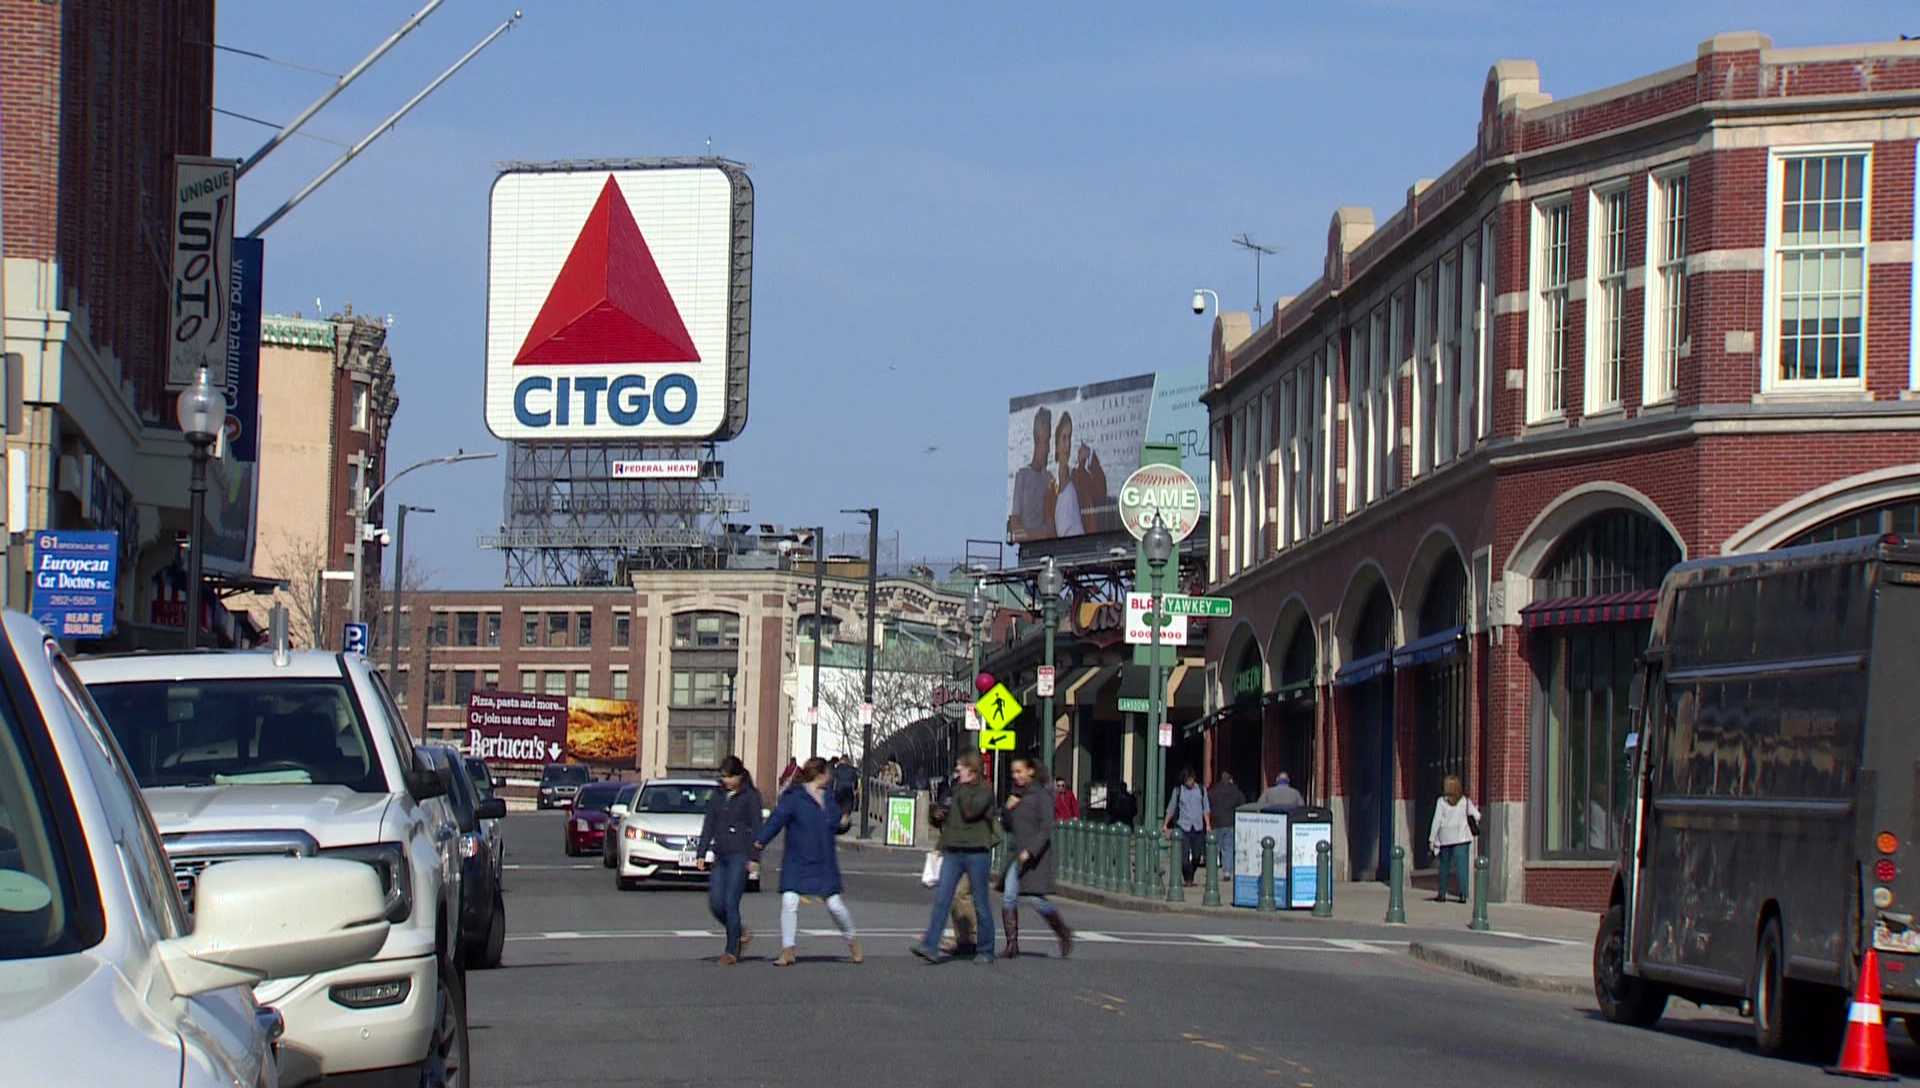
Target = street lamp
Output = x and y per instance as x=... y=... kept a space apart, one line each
x=201 y=411
x=1047 y=583
x=872 y=514
x=976 y=615
x=362 y=504
x=1158 y=544
x=399 y=567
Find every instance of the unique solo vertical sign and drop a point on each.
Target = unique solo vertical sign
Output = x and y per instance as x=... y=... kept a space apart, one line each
x=203 y=206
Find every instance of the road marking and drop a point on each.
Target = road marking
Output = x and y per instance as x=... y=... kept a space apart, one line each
x=1162 y=940
x=1356 y=946
x=552 y=867
x=1229 y=942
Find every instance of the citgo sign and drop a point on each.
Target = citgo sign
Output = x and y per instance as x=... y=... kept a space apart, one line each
x=1163 y=489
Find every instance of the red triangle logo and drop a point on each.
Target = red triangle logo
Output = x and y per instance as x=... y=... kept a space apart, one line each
x=609 y=304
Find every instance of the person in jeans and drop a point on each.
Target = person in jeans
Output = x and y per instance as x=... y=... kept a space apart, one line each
x=727 y=844
x=1029 y=818
x=1223 y=798
x=811 y=865
x=966 y=843
x=1451 y=836
x=1189 y=812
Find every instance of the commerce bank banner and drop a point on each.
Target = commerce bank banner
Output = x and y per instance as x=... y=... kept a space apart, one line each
x=527 y=727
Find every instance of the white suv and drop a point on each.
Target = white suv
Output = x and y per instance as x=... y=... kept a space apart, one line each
x=104 y=979
x=257 y=754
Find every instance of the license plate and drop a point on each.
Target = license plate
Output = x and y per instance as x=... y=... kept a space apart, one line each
x=686 y=859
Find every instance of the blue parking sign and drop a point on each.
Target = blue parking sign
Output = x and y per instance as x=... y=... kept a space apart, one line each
x=353 y=639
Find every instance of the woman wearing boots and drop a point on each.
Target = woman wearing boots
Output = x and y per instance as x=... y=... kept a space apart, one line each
x=1029 y=817
x=811 y=866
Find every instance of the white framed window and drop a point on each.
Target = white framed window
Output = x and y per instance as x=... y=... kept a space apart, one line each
x=1380 y=407
x=1467 y=368
x=618 y=683
x=1446 y=359
x=1422 y=373
x=1396 y=410
x=1326 y=374
x=1606 y=296
x=1818 y=211
x=1666 y=319
x=1242 y=509
x=1547 y=354
x=1359 y=462
x=1292 y=484
x=1265 y=480
x=1489 y=290
x=361 y=394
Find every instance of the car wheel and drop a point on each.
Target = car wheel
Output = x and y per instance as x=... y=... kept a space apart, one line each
x=1768 y=992
x=496 y=944
x=445 y=1065
x=606 y=857
x=1623 y=998
x=753 y=886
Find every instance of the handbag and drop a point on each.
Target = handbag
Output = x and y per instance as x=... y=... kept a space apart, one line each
x=1473 y=825
x=930 y=869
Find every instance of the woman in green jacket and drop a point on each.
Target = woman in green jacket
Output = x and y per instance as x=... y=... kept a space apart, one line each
x=966 y=845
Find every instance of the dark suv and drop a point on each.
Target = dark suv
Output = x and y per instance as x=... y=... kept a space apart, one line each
x=483 y=909
x=559 y=783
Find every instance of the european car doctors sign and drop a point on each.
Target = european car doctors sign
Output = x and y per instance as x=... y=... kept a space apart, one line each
x=74 y=573
x=1163 y=489
x=618 y=301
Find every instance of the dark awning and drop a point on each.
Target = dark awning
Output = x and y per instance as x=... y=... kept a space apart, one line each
x=1085 y=687
x=1187 y=687
x=1435 y=647
x=1363 y=670
x=1298 y=691
x=1596 y=608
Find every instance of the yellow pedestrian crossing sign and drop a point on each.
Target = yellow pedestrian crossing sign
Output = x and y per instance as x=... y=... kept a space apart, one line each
x=996 y=740
x=998 y=707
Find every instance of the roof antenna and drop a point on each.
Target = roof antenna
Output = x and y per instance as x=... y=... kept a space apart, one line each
x=709 y=147
x=1259 y=251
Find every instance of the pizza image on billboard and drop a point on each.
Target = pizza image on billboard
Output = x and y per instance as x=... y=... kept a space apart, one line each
x=619 y=298
x=603 y=731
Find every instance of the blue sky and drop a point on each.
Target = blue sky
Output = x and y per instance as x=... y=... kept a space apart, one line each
x=955 y=203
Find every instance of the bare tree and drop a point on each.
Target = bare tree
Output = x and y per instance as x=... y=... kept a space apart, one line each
x=904 y=680
x=298 y=559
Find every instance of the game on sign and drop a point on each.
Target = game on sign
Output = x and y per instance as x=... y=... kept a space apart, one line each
x=997 y=708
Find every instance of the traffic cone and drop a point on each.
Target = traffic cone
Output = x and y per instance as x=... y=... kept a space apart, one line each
x=1864 y=1054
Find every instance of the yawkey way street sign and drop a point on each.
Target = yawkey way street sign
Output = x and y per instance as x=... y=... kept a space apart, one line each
x=1177 y=604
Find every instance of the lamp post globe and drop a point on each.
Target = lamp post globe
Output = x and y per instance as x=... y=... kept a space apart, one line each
x=200 y=412
x=977 y=604
x=1048 y=580
x=1159 y=544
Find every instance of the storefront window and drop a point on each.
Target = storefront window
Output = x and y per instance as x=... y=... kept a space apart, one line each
x=1898 y=517
x=1584 y=675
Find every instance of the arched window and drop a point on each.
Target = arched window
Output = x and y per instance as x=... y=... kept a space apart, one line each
x=1900 y=516
x=1618 y=551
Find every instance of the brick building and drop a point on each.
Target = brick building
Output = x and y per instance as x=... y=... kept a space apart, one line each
x=714 y=658
x=97 y=98
x=1665 y=319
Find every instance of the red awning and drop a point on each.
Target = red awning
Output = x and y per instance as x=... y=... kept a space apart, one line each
x=1598 y=608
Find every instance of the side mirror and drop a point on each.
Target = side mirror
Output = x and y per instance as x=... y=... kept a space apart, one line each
x=493 y=808
x=425 y=784
x=276 y=918
x=619 y=810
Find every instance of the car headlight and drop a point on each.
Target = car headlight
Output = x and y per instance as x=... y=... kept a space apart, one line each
x=632 y=833
x=582 y=825
x=389 y=859
x=469 y=845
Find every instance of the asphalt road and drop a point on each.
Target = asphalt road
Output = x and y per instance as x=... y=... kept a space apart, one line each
x=603 y=987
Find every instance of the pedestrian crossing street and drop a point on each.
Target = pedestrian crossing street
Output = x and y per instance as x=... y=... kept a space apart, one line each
x=1225 y=941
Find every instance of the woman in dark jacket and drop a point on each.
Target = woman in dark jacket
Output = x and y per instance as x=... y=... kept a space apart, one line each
x=1029 y=818
x=810 y=867
x=727 y=844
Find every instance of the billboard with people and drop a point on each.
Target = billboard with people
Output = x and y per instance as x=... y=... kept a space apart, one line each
x=1069 y=449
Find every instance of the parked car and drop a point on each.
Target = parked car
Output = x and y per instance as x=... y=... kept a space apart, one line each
x=484 y=784
x=303 y=755
x=622 y=804
x=591 y=818
x=483 y=909
x=559 y=782
x=657 y=838
x=107 y=979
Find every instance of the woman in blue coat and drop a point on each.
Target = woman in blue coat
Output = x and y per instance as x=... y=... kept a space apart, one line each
x=811 y=865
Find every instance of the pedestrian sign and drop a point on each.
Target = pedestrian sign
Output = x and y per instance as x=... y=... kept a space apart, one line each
x=996 y=740
x=997 y=708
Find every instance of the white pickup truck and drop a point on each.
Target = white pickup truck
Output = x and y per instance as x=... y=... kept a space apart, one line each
x=303 y=754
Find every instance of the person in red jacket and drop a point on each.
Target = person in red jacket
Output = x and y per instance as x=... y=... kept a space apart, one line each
x=1066 y=805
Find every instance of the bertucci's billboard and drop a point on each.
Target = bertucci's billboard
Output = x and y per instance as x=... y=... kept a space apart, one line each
x=619 y=298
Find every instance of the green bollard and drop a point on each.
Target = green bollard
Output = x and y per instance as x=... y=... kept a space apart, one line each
x=1077 y=836
x=1137 y=869
x=1479 y=922
x=1063 y=837
x=1266 y=875
x=1397 y=888
x=1323 y=880
x=1211 y=897
x=1110 y=874
x=1176 y=879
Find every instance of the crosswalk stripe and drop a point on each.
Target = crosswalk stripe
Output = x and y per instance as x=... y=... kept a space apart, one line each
x=1240 y=942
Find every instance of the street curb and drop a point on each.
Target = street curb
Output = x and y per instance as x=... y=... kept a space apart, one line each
x=1114 y=901
x=1449 y=958
x=864 y=846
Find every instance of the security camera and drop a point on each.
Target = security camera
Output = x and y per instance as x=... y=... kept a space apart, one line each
x=1199 y=303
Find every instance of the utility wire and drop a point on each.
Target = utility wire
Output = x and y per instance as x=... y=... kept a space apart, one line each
x=270 y=60
x=275 y=124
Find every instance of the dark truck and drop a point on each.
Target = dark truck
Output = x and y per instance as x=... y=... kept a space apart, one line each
x=1773 y=834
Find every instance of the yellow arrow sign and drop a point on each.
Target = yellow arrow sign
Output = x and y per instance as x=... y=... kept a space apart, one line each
x=998 y=708
x=996 y=740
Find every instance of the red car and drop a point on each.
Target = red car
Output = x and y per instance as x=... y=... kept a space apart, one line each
x=590 y=819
